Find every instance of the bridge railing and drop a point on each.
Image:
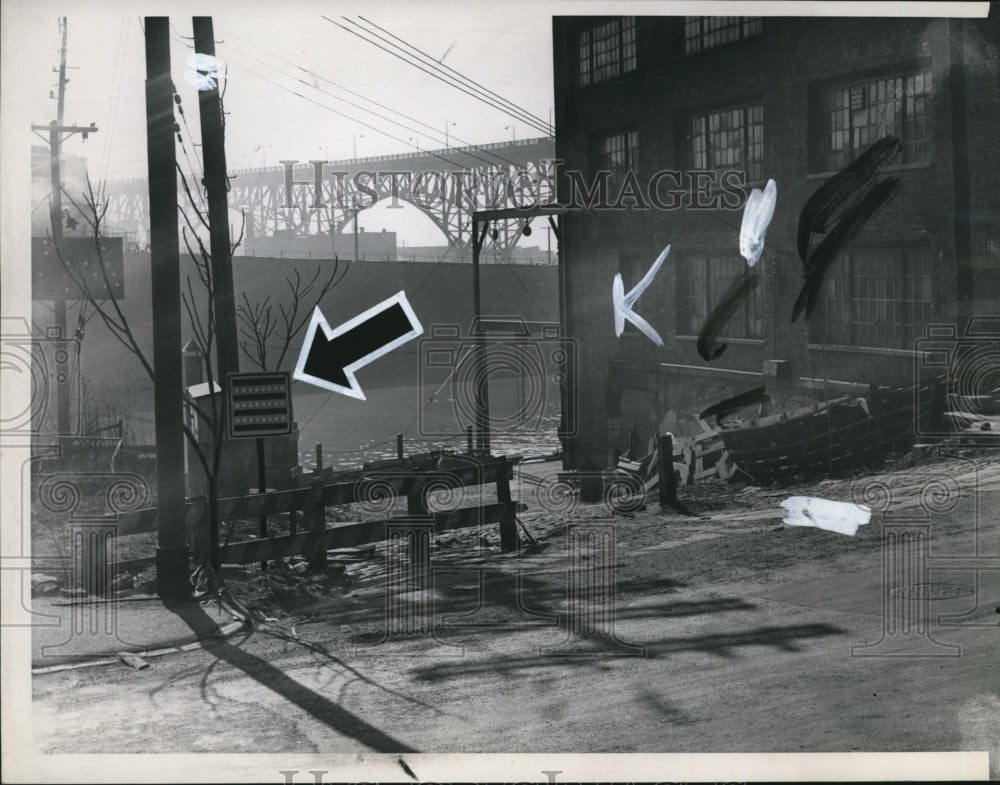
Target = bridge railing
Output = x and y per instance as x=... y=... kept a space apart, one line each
x=392 y=157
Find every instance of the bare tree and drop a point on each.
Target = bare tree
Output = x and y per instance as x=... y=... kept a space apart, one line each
x=102 y=299
x=259 y=323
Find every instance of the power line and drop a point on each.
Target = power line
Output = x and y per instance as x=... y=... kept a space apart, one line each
x=341 y=114
x=365 y=109
x=450 y=81
x=401 y=54
x=548 y=127
x=319 y=76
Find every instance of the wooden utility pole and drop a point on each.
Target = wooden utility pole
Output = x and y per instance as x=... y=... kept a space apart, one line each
x=213 y=151
x=172 y=550
x=56 y=129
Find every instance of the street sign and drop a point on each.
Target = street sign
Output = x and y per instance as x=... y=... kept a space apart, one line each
x=260 y=404
x=50 y=281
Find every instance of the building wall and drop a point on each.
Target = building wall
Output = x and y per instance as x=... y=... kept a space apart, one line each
x=781 y=68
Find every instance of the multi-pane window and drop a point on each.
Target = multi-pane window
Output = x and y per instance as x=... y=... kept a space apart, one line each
x=729 y=139
x=702 y=280
x=706 y=32
x=850 y=117
x=607 y=50
x=618 y=153
x=876 y=298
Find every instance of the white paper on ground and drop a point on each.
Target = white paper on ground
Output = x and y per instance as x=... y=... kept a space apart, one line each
x=840 y=517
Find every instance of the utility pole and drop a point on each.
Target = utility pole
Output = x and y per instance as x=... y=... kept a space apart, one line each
x=214 y=161
x=55 y=130
x=171 y=550
x=213 y=150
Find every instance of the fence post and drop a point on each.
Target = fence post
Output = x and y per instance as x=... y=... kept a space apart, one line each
x=315 y=515
x=668 y=483
x=399 y=446
x=468 y=439
x=508 y=517
x=319 y=458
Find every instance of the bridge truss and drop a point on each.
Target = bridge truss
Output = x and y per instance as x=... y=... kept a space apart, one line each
x=445 y=185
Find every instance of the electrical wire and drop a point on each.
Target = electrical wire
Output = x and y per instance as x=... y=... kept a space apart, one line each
x=355 y=105
x=548 y=129
x=320 y=77
x=438 y=73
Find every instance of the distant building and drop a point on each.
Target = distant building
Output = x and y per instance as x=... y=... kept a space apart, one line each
x=532 y=254
x=371 y=246
x=794 y=100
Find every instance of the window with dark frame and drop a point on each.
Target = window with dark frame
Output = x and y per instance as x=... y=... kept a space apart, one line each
x=607 y=50
x=702 y=280
x=726 y=139
x=874 y=298
x=850 y=116
x=708 y=32
x=619 y=154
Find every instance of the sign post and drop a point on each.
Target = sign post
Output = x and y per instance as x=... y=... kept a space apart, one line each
x=260 y=405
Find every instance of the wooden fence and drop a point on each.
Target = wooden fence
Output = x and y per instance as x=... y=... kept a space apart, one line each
x=378 y=487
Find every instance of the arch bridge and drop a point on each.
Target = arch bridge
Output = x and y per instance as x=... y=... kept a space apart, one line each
x=447 y=185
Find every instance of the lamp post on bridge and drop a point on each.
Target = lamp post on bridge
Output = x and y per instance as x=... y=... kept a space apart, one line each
x=447 y=144
x=356 y=144
x=511 y=129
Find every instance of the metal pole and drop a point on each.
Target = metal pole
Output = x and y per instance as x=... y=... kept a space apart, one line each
x=262 y=487
x=481 y=375
x=399 y=446
x=962 y=237
x=567 y=389
x=172 y=550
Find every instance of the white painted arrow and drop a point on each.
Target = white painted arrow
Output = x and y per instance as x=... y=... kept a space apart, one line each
x=623 y=302
x=757 y=215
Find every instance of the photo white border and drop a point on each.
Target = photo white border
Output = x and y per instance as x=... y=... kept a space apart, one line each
x=21 y=764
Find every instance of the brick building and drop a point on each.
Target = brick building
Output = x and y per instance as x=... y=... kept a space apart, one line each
x=793 y=100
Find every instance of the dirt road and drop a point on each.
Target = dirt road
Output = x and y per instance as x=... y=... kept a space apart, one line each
x=642 y=633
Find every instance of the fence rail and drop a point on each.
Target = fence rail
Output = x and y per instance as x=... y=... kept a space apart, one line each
x=414 y=479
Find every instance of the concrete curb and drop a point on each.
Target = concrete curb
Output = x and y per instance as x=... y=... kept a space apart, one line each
x=226 y=631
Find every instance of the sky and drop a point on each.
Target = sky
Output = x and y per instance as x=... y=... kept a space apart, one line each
x=290 y=74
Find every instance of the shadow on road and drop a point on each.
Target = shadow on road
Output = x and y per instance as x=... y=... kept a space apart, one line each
x=267 y=675
x=592 y=649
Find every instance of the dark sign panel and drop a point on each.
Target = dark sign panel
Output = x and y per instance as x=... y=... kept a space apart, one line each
x=260 y=404
x=51 y=281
